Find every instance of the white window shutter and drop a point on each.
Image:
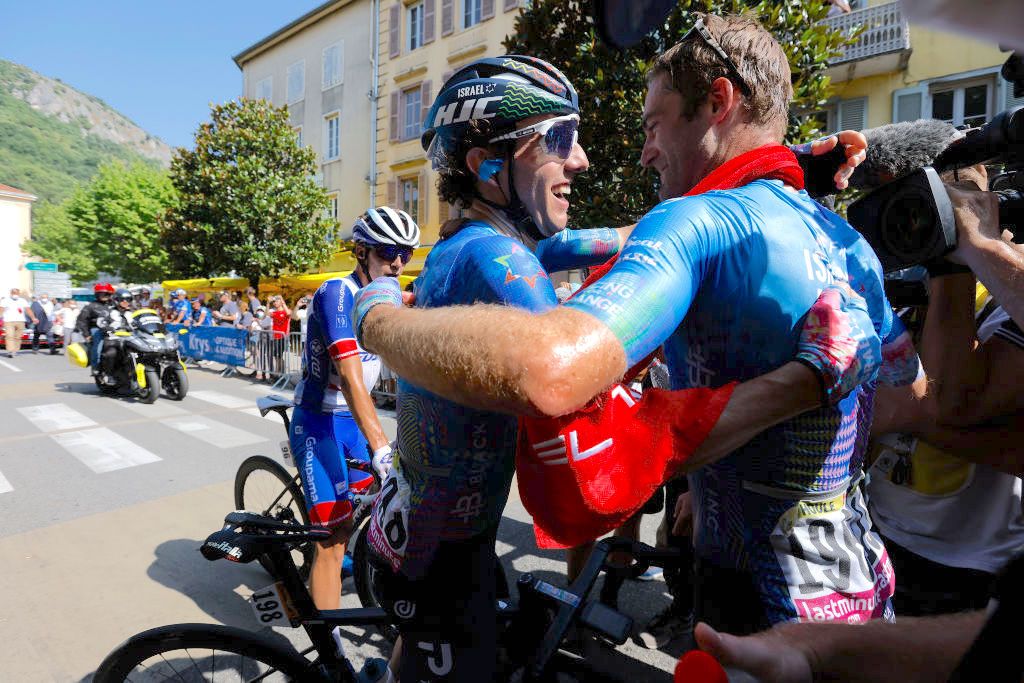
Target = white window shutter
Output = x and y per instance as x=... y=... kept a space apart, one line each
x=910 y=104
x=853 y=114
x=1009 y=100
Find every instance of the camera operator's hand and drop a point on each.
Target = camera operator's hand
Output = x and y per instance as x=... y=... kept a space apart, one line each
x=977 y=219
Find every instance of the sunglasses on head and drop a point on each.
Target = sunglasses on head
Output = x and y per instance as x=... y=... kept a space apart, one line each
x=558 y=136
x=389 y=252
x=702 y=32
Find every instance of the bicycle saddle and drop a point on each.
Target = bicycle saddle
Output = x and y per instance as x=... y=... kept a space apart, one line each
x=247 y=535
x=272 y=402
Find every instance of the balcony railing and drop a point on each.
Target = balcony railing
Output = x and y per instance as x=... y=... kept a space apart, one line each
x=885 y=31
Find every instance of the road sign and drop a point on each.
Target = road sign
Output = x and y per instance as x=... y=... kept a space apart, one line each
x=57 y=285
x=41 y=265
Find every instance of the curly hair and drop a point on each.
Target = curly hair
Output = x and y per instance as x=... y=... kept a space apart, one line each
x=456 y=184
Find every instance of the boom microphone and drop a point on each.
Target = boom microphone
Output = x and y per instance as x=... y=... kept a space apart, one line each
x=896 y=149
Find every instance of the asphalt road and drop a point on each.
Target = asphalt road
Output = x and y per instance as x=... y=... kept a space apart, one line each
x=105 y=501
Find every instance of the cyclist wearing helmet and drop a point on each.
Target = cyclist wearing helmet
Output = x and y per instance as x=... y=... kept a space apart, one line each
x=502 y=134
x=95 y=316
x=334 y=415
x=181 y=310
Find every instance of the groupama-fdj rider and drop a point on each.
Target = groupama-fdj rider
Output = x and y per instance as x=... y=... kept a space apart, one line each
x=334 y=416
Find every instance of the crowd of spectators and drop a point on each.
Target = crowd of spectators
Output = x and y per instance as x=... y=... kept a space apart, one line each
x=268 y=325
x=43 y=318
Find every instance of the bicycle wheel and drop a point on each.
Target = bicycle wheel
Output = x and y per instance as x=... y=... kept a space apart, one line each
x=203 y=652
x=262 y=485
x=363 y=570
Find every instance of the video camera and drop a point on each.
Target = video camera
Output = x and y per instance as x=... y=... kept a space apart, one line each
x=910 y=222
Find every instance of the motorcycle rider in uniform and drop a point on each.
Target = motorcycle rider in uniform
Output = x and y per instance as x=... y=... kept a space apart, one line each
x=95 y=316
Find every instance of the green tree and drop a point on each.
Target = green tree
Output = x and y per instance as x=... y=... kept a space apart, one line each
x=55 y=237
x=247 y=198
x=611 y=86
x=116 y=217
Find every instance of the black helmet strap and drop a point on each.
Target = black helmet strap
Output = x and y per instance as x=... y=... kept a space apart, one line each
x=514 y=209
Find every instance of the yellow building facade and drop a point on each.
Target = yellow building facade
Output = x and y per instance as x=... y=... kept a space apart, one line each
x=422 y=42
x=898 y=71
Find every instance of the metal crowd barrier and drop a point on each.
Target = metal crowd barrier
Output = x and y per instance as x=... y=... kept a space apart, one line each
x=282 y=360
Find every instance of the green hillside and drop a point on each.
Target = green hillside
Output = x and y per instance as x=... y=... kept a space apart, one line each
x=47 y=156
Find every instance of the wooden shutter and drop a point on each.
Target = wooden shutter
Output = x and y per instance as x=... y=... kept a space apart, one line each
x=424 y=196
x=486 y=10
x=447 y=17
x=511 y=5
x=394 y=122
x=392 y=192
x=428 y=21
x=425 y=101
x=394 y=30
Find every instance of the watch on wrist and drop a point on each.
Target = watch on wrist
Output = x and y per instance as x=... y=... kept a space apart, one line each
x=941 y=266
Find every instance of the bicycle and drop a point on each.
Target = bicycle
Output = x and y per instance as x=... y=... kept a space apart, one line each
x=264 y=485
x=531 y=629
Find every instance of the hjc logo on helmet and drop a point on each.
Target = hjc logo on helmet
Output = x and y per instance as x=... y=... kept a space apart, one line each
x=471 y=109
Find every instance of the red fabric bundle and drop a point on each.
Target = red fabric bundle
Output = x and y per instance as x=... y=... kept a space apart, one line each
x=584 y=474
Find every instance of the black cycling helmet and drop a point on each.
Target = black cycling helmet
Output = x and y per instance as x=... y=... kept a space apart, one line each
x=122 y=295
x=503 y=90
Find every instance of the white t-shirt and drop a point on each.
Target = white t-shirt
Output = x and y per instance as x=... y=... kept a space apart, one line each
x=14 y=309
x=47 y=308
x=68 y=318
x=943 y=507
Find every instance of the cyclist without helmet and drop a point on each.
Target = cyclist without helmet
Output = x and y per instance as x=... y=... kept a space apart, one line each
x=334 y=415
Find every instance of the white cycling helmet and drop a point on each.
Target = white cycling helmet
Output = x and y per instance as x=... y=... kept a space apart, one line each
x=385 y=225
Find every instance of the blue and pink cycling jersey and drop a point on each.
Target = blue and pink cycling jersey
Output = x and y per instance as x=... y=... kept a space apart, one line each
x=323 y=432
x=452 y=477
x=722 y=282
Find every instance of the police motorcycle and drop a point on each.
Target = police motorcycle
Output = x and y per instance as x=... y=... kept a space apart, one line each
x=139 y=356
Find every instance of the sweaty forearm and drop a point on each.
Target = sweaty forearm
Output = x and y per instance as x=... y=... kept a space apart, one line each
x=998 y=444
x=755 y=406
x=947 y=348
x=909 y=650
x=498 y=358
x=1000 y=267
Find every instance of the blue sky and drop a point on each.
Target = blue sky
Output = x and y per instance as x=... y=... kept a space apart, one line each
x=158 y=63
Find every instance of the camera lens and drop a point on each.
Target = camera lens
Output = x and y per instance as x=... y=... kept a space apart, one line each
x=909 y=225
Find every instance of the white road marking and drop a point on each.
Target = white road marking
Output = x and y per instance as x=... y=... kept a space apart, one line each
x=102 y=450
x=212 y=432
x=5 y=485
x=255 y=412
x=55 y=417
x=10 y=367
x=219 y=399
x=160 y=409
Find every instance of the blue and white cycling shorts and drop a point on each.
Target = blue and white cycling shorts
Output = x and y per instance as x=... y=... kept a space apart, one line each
x=320 y=443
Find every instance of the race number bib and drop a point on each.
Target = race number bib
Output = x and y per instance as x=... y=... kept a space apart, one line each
x=835 y=567
x=389 y=522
